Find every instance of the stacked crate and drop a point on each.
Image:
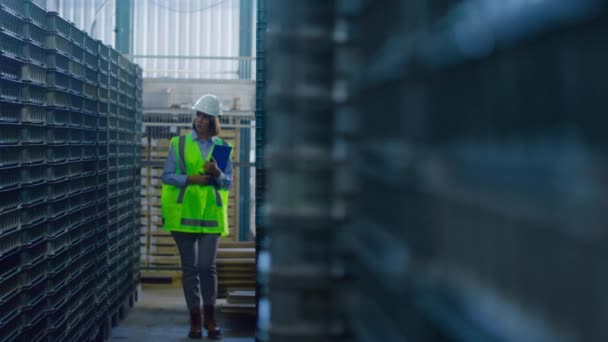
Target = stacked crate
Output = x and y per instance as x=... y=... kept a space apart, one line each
x=137 y=181
x=101 y=293
x=123 y=204
x=62 y=279
x=486 y=221
x=300 y=209
x=478 y=213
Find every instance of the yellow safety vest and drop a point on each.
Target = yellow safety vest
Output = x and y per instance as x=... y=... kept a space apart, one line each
x=194 y=208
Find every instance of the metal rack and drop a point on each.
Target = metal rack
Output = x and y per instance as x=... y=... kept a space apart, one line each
x=55 y=179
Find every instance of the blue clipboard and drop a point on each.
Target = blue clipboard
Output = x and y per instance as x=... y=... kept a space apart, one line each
x=221 y=154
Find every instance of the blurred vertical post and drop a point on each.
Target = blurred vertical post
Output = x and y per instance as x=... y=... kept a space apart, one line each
x=124 y=26
x=245 y=73
x=301 y=168
x=245 y=28
x=261 y=237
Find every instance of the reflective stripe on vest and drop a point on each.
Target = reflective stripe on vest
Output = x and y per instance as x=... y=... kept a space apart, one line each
x=199 y=223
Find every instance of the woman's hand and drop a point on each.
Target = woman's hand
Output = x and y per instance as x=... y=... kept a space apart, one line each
x=212 y=169
x=199 y=179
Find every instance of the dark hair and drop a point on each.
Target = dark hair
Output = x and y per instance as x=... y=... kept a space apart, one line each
x=215 y=128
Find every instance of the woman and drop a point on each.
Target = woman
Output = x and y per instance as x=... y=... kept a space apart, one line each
x=194 y=203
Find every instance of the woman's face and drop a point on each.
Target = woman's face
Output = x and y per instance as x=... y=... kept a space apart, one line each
x=203 y=122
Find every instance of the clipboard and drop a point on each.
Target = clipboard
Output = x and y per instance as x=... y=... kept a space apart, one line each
x=221 y=154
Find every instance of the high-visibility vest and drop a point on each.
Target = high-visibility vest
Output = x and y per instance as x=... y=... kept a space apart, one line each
x=194 y=208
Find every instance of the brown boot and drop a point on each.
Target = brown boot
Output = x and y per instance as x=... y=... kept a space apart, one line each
x=195 y=324
x=213 y=331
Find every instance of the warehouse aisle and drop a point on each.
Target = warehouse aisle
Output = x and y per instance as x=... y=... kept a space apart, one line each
x=160 y=315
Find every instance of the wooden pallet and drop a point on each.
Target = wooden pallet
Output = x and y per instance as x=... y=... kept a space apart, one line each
x=241 y=297
x=240 y=302
x=236 y=268
x=237 y=244
x=160 y=277
x=241 y=309
x=235 y=253
x=161 y=250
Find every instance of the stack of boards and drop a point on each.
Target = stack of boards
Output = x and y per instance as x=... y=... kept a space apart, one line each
x=236 y=271
x=240 y=302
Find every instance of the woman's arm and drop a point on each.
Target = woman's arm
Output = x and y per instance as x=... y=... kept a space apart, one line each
x=169 y=175
x=220 y=179
x=224 y=180
x=179 y=180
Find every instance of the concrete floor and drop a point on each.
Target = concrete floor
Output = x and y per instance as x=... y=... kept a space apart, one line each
x=161 y=315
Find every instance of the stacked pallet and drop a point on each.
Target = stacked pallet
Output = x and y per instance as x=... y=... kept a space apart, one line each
x=236 y=267
x=240 y=302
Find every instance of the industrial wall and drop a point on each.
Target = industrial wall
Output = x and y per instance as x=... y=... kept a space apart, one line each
x=237 y=95
x=208 y=30
x=187 y=28
x=96 y=17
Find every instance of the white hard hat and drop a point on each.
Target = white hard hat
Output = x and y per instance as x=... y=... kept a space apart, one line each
x=208 y=104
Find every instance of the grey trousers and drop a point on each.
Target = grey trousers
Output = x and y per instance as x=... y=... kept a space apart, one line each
x=198 y=254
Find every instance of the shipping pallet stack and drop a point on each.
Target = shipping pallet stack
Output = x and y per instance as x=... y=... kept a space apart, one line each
x=240 y=302
x=159 y=255
x=236 y=272
x=59 y=282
